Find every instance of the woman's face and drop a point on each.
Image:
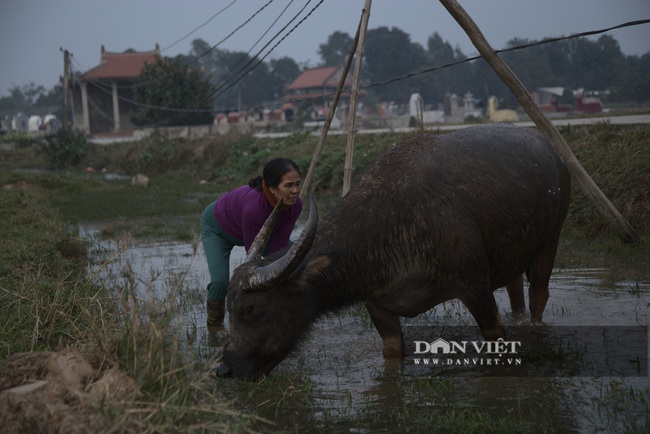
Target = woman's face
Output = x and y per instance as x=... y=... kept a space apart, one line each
x=289 y=187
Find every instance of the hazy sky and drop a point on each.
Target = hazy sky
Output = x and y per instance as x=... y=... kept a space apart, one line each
x=32 y=32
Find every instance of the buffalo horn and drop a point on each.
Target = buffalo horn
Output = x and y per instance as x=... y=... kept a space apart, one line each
x=279 y=270
x=262 y=237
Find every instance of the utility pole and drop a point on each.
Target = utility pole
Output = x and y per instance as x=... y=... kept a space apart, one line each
x=66 y=79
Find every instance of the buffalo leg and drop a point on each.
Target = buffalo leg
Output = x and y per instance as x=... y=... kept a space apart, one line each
x=516 y=294
x=481 y=304
x=538 y=291
x=539 y=277
x=389 y=328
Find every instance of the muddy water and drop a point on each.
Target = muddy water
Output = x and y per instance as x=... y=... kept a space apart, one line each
x=350 y=387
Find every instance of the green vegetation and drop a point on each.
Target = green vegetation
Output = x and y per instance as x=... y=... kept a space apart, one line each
x=170 y=84
x=66 y=148
x=187 y=174
x=615 y=155
x=617 y=158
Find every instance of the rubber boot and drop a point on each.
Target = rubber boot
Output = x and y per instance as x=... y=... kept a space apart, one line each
x=216 y=312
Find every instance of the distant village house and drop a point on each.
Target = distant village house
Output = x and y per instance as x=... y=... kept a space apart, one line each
x=315 y=88
x=102 y=97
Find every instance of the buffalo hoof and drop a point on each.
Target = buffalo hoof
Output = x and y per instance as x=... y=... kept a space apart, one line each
x=222 y=371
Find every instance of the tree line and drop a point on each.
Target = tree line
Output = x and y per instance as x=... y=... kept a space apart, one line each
x=209 y=79
x=389 y=53
x=576 y=63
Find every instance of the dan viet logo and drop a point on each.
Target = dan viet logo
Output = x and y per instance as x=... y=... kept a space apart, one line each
x=466 y=353
x=562 y=351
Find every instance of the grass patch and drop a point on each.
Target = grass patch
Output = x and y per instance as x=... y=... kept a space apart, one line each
x=617 y=158
x=186 y=175
x=42 y=292
x=50 y=303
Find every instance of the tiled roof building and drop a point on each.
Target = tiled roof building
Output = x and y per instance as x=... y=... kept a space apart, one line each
x=316 y=87
x=103 y=95
x=316 y=82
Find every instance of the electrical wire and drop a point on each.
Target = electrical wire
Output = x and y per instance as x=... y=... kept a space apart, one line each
x=227 y=84
x=196 y=58
x=243 y=73
x=199 y=27
x=234 y=31
x=221 y=90
x=242 y=58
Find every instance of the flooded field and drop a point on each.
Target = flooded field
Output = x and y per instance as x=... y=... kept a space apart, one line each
x=338 y=380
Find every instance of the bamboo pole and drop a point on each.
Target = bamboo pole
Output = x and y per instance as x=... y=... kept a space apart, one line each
x=586 y=183
x=349 y=150
x=330 y=114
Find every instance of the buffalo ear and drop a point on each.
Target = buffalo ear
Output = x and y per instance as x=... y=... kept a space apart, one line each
x=314 y=268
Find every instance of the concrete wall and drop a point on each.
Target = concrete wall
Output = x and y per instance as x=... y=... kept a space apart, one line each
x=195 y=131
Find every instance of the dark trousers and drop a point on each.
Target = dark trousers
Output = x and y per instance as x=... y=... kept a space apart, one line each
x=217 y=246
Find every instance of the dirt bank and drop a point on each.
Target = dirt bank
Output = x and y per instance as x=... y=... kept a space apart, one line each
x=59 y=392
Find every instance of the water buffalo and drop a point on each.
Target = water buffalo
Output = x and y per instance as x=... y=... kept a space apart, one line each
x=437 y=217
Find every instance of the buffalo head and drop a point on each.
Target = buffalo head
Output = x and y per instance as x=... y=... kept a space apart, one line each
x=268 y=305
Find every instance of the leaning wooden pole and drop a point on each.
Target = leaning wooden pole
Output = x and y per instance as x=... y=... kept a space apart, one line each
x=587 y=184
x=330 y=115
x=349 y=150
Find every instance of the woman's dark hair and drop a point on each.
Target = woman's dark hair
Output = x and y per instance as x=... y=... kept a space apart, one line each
x=273 y=172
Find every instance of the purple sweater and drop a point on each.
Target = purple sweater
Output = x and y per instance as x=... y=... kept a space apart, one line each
x=241 y=213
